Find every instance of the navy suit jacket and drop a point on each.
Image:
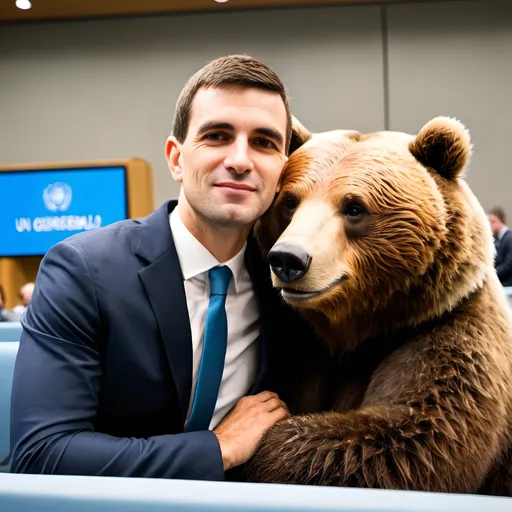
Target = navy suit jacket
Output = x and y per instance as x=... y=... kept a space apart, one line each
x=503 y=261
x=103 y=378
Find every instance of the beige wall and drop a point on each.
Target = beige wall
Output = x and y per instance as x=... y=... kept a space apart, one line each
x=106 y=89
x=456 y=59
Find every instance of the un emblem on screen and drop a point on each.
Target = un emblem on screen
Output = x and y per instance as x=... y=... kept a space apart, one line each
x=57 y=197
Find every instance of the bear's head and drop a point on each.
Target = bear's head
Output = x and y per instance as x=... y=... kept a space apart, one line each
x=377 y=229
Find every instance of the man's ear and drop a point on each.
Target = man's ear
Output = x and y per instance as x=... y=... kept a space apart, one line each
x=173 y=157
x=300 y=135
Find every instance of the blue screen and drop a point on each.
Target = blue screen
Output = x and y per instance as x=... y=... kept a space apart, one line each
x=41 y=208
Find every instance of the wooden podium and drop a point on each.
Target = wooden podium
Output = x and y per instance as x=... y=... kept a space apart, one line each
x=15 y=271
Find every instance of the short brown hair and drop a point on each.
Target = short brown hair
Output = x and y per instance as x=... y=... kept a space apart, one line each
x=498 y=212
x=239 y=71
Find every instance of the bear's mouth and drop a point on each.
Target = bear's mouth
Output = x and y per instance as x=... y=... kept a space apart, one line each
x=291 y=294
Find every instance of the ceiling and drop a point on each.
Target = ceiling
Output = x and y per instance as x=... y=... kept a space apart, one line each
x=73 y=9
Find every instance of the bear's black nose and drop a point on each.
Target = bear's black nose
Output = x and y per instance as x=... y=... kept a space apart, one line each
x=289 y=262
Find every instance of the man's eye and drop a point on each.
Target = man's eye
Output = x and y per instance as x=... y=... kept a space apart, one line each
x=216 y=136
x=265 y=143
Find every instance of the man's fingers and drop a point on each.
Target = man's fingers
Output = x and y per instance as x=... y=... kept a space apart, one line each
x=273 y=404
x=264 y=396
x=278 y=415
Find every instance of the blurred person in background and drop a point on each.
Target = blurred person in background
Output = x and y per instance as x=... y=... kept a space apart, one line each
x=26 y=292
x=2 y=304
x=6 y=315
x=503 y=243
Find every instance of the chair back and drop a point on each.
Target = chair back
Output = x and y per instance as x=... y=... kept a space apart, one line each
x=8 y=352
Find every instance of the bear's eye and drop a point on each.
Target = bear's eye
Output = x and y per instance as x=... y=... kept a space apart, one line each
x=290 y=203
x=353 y=210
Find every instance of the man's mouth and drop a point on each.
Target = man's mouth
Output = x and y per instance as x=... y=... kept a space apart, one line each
x=242 y=187
x=294 y=295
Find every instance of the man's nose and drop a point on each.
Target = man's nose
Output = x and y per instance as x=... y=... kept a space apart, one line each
x=239 y=158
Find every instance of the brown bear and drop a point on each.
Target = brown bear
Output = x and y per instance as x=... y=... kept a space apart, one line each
x=378 y=242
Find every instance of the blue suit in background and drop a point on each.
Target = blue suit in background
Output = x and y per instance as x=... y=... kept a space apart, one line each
x=103 y=376
x=503 y=260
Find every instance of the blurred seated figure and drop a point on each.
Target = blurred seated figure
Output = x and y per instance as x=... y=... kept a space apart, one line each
x=5 y=314
x=2 y=303
x=26 y=292
x=503 y=242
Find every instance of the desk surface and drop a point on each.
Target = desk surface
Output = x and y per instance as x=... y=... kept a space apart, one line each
x=28 y=493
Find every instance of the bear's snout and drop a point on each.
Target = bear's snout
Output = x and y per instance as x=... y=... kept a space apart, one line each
x=289 y=261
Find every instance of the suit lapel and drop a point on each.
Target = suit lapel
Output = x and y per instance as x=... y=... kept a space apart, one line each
x=498 y=244
x=163 y=282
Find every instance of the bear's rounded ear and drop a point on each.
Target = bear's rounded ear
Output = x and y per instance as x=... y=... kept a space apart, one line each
x=300 y=134
x=444 y=145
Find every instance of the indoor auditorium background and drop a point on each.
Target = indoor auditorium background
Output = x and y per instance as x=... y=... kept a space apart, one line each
x=103 y=89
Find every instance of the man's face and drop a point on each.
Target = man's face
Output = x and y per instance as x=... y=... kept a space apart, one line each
x=495 y=223
x=231 y=161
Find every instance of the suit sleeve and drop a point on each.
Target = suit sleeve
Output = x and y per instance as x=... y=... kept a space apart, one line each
x=504 y=269
x=56 y=390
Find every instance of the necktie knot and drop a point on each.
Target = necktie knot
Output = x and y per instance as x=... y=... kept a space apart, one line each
x=219 y=280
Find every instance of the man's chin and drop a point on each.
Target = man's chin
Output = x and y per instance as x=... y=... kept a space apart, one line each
x=235 y=216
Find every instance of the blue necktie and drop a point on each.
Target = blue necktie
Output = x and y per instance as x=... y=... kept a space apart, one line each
x=214 y=352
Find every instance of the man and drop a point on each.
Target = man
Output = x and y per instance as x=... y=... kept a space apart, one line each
x=6 y=315
x=108 y=368
x=26 y=292
x=503 y=243
x=3 y=311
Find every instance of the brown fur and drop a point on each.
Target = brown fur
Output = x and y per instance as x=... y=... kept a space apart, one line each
x=417 y=327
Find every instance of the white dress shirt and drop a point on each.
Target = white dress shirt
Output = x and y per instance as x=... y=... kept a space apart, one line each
x=502 y=232
x=241 y=363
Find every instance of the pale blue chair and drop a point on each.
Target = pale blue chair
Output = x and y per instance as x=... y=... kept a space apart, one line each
x=8 y=351
x=10 y=331
x=53 y=493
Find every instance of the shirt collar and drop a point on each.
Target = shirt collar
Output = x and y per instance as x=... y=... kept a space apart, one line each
x=195 y=258
x=502 y=232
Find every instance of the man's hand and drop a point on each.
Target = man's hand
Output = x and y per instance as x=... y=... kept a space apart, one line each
x=240 y=432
